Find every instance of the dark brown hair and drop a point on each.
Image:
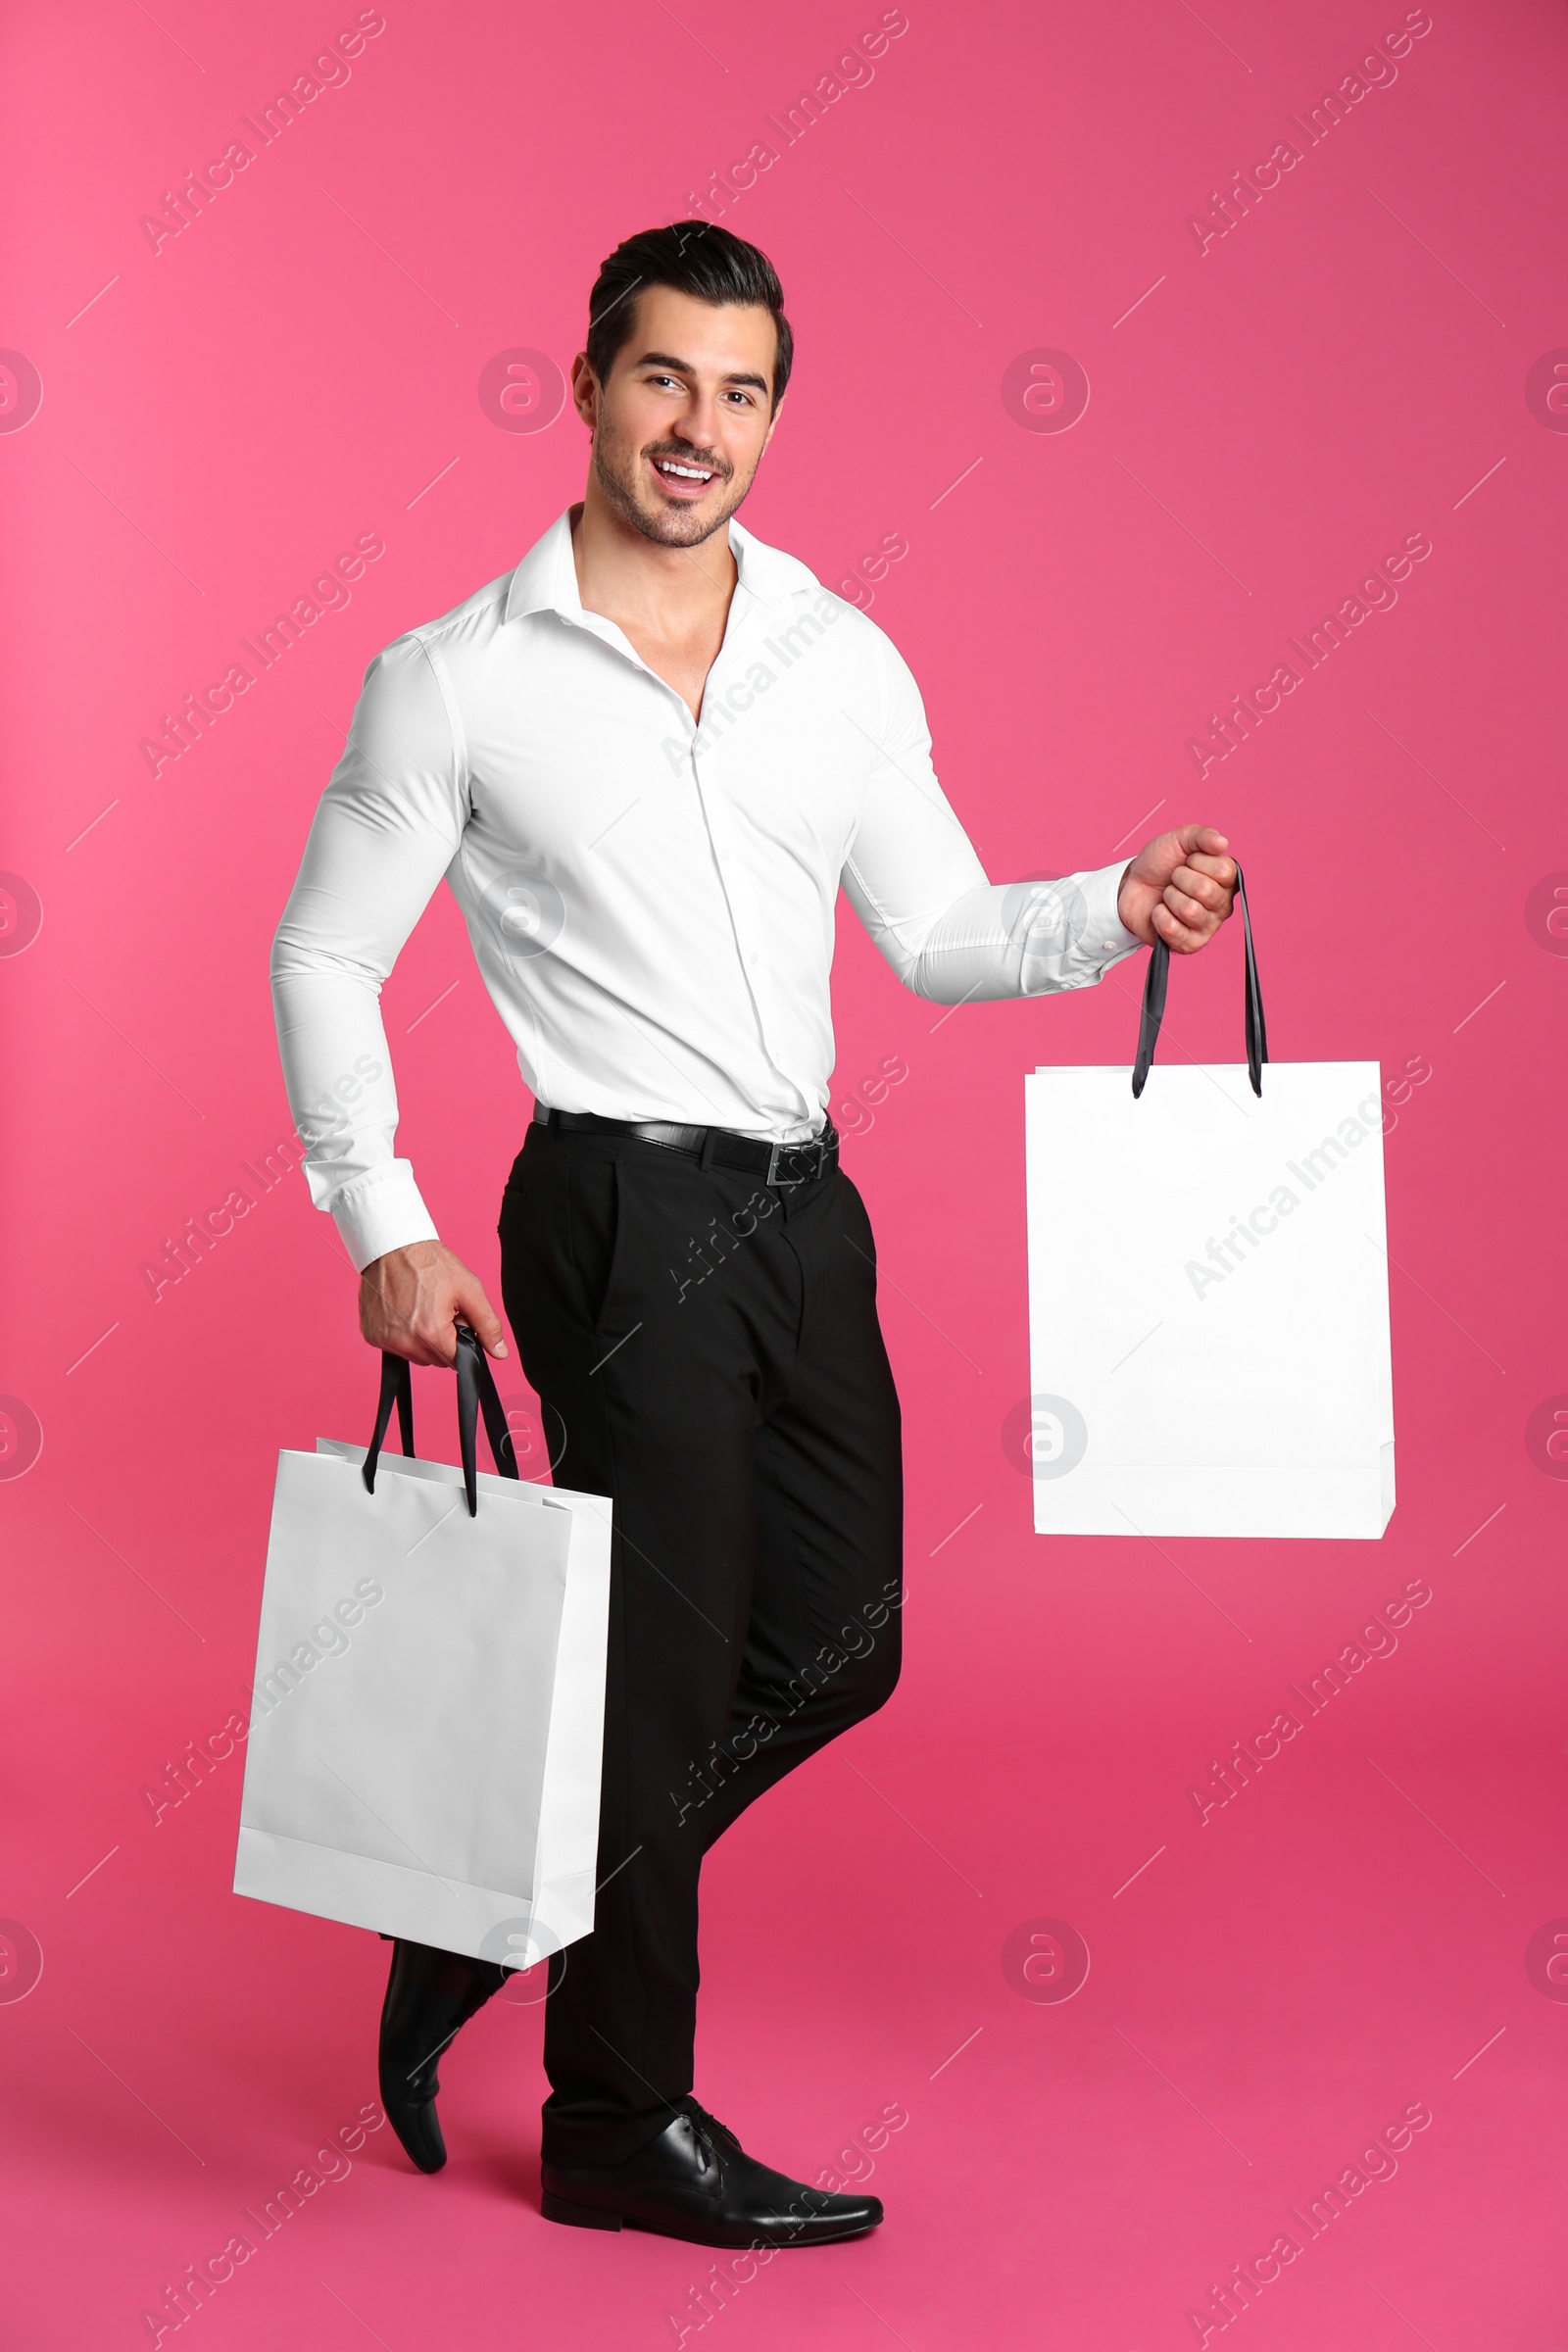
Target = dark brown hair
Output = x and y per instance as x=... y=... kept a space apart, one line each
x=696 y=257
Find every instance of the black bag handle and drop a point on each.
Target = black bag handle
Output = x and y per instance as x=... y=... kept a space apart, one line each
x=476 y=1393
x=397 y=1388
x=1153 y=1011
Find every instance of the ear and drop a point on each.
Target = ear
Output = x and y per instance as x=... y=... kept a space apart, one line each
x=585 y=390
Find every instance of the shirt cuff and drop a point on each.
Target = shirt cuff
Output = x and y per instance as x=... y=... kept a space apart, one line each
x=1104 y=938
x=382 y=1213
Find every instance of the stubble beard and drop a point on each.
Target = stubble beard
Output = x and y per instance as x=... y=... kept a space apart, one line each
x=666 y=526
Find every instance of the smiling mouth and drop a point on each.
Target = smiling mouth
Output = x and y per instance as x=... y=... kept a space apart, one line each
x=685 y=478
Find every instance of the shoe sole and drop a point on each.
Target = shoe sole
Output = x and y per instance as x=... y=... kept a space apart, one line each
x=603 y=2217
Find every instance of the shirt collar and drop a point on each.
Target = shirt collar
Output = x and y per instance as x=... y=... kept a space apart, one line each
x=546 y=580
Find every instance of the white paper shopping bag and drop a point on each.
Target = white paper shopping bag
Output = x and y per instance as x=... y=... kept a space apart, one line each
x=1209 y=1308
x=428 y=1723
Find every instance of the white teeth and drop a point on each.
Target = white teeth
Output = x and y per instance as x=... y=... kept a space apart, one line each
x=692 y=473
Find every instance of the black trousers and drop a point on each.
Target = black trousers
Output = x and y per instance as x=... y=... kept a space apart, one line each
x=707 y=1352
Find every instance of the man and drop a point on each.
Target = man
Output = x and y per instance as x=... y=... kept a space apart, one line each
x=645 y=761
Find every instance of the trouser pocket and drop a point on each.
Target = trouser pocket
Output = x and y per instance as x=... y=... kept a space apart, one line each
x=600 y=1205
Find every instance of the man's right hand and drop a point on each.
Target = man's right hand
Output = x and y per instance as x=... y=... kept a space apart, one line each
x=411 y=1299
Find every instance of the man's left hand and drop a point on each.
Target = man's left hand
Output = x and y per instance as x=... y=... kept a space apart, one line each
x=1179 y=888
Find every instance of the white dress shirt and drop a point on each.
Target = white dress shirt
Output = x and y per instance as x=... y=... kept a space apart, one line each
x=651 y=901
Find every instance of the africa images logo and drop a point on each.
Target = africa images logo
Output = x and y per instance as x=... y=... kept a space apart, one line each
x=1044 y=1436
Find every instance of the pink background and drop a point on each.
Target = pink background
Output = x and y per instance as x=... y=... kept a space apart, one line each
x=1267 y=417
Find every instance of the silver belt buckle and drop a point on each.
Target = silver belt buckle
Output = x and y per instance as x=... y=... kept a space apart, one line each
x=811 y=1143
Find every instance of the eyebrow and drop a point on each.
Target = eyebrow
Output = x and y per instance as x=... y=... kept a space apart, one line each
x=665 y=358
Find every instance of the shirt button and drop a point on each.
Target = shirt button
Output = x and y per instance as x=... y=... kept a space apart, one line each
x=751 y=957
x=1107 y=943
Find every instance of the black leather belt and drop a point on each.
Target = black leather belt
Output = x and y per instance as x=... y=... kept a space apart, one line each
x=775 y=1163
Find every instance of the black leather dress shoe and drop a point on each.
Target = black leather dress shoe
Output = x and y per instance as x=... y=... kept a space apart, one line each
x=696 y=2182
x=429 y=1996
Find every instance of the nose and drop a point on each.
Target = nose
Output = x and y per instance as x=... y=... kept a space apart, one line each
x=699 y=426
